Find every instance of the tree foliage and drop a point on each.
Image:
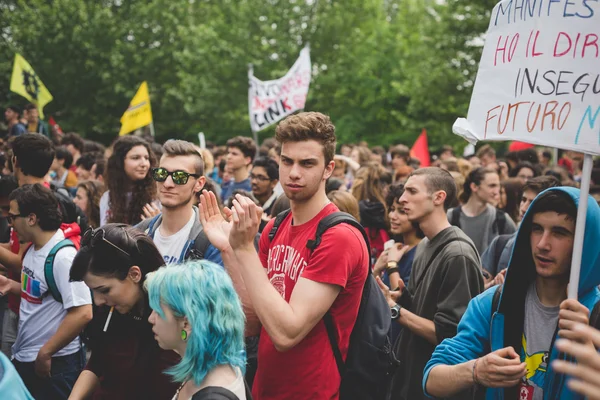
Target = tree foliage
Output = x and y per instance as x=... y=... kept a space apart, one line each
x=382 y=69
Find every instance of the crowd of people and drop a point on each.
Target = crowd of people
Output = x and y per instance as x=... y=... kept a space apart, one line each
x=169 y=271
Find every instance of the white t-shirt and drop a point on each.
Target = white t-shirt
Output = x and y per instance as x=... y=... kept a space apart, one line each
x=237 y=387
x=104 y=208
x=40 y=315
x=172 y=246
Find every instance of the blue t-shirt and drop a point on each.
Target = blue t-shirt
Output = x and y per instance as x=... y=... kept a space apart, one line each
x=229 y=187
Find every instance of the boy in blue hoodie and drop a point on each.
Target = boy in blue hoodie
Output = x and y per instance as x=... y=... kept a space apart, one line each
x=506 y=346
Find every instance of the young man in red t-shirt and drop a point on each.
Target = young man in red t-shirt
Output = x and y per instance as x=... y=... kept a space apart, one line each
x=285 y=286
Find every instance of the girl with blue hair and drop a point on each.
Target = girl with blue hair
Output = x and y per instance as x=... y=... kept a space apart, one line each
x=197 y=313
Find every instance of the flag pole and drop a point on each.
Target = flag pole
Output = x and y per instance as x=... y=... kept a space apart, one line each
x=254 y=133
x=586 y=177
x=152 y=129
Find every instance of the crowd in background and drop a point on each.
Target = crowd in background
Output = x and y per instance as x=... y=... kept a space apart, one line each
x=137 y=182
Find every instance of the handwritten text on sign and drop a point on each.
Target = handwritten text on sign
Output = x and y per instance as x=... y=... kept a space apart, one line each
x=271 y=101
x=539 y=76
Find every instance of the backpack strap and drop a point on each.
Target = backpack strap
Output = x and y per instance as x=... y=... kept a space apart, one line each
x=595 y=316
x=500 y=221
x=49 y=268
x=496 y=299
x=330 y=221
x=455 y=216
x=501 y=243
x=215 y=393
x=199 y=248
x=151 y=226
x=278 y=220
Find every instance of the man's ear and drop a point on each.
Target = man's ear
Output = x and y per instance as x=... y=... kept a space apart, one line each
x=200 y=182
x=328 y=170
x=439 y=197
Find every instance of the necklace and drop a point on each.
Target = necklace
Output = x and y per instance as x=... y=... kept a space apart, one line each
x=179 y=390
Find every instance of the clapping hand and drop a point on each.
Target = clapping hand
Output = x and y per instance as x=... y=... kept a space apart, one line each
x=246 y=217
x=216 y=227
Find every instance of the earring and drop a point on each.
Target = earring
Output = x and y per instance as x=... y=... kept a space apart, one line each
x=183 y=335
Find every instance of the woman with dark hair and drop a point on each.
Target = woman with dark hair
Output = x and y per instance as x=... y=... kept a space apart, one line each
x=510 y=197
x=126 y=362
x=130 y=185
x=88 y=197
x=368 y=189
x=525 y=171
x=397 y=260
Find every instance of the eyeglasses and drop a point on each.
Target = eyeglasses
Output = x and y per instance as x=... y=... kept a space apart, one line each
x=11 y=217
x=179 y=177
x=92 y=237
x=260 y=178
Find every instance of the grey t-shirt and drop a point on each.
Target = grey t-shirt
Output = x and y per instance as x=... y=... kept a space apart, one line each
x=481 y=228
x=539 y=327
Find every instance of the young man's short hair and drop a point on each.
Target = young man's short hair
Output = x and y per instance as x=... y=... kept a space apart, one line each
x=86 y=161
x=89 y=146
x=174 y=148
x=486 y=150
x=63 y=154
x=541 y=183
x=39 y=200
x=15 y=109
x=438 y=179
x=8 y=184
x=308 y=126
x=29 y=107
x=100 y=166
x=556 y=201
x=401 y=151
x=269 y=165
x=245 y=144
x=73 y=139
x=34 y=153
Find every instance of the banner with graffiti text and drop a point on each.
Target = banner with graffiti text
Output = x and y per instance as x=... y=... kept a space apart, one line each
x=539 y=76
x=271 y=101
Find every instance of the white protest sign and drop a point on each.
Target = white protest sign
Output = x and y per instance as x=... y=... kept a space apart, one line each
x=539 y=76
x=271 y=101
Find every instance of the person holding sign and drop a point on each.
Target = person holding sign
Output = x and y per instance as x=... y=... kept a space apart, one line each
x=505 y=342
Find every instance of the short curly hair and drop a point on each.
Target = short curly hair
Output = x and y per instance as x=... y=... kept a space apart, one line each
x=308 y=126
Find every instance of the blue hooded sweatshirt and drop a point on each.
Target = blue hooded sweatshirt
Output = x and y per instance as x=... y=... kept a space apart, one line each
x=483 y=330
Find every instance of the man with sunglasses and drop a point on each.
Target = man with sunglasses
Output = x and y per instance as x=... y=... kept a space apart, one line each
x=177 y=231
x=264 y=177
x=47 y=351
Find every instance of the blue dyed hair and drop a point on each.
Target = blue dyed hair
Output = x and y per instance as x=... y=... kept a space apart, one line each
x=202 y=292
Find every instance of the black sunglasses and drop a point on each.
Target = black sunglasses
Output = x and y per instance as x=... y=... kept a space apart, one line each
x=179 y=177
x=92 y=237
x=11 y=217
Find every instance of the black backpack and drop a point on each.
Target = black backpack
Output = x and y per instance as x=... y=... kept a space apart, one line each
x=499 y=221
x=370 y=360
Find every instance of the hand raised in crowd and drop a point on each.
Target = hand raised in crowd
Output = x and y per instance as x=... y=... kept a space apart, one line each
x=150 y=211
x=381 y=263
x=585 y=372
x=497 y=280
x=502 y=368
x=5 y=285
x=216 y=227
x=246 y=222
x=391 y=296
x=571 y=313
x=397 y=251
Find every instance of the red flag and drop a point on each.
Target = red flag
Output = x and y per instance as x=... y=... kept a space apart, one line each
x=55 y=126
x=420 y=150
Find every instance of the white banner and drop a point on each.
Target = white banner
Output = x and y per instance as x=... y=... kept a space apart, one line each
x=271 y=101
x=539 y=76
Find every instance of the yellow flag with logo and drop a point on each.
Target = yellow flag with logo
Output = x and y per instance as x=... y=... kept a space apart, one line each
x=139 y=113
x=24 y=81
